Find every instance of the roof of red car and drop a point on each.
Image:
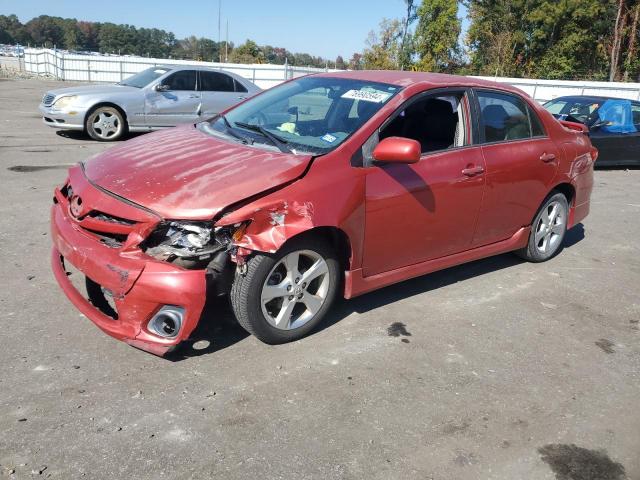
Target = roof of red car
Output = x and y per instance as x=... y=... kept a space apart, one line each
x=404 y=79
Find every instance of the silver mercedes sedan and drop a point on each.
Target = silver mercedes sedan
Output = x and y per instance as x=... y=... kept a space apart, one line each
x=158 y=97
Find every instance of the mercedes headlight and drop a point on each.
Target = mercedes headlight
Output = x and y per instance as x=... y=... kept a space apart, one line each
x=63 y=102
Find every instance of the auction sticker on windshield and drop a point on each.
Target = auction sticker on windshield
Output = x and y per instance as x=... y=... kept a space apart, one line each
x=369 y=95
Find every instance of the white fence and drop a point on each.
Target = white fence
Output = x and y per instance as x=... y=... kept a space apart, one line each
x=544 y=90
x=108 y=68
x=113 y=68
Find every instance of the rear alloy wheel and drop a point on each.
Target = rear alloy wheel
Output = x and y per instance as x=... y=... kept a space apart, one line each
x=281 y=298
x=547 y=230
x=105 y=124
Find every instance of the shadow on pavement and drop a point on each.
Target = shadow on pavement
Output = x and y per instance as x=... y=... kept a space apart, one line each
x=219 y=329
x=82 y=136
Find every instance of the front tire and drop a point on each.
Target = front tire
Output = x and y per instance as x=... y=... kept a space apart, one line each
x=547 y=230
x=282 y=297
x=105 y=124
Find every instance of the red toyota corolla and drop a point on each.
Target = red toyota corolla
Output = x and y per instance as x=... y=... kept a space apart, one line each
x=332 y=184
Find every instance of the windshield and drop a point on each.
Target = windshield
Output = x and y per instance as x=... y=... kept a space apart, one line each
x=144 y=78
x=311 y=114
x=581 y=110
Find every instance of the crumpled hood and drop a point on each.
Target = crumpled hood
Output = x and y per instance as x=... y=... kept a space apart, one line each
x=182 y=173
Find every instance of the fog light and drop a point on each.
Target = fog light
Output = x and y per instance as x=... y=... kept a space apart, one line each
x=167 y=321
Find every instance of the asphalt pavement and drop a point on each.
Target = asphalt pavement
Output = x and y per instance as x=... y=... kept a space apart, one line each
x=497 y=369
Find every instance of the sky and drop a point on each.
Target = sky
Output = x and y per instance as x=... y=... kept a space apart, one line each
x=325 y=28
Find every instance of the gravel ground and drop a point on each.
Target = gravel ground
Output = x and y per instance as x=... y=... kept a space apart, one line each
x=493 y=370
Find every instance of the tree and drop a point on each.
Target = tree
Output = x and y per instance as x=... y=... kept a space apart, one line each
x=632 y=62
x=44 y=30
x=567 y=39
x=248 y=52
x=340 y=65
x=436 y=36
x=541 y=38
x=356 y=62
x=12 y=31
x=625 y=31
x=89 y=32
x=406 y=48
x=383 y=52
x=118 y=39
x=496 y=37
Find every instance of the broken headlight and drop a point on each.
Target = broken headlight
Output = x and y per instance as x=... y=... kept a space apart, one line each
x=187 y=243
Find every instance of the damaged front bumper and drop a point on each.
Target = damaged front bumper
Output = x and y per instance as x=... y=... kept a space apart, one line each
x=139 y=285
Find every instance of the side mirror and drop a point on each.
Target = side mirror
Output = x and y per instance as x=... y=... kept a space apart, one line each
x=397 y=150
x=161 y=88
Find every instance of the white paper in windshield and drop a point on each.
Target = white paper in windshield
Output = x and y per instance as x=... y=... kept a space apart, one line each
x=367 y=95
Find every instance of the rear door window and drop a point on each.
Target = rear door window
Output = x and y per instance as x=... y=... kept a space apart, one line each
x=537 y=130
x=503 y=117
x=216 y=82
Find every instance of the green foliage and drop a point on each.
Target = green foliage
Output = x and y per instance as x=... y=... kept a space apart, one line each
x=384 y=48
x=556 y=39
x=436 y=37
x=194 y=48
x=12 y=31
x=248 y=52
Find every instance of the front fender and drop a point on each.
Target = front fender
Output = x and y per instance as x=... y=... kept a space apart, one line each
x=324 y=197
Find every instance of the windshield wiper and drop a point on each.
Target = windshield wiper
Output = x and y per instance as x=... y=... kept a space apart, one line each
x=232 y=133
x=281 y=143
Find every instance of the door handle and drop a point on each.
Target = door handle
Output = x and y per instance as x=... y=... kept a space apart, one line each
x=193 y=95
x=472 y=171
x=547 y=157
x=242 y=97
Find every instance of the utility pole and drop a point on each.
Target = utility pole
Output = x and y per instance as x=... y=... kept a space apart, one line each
x=226 y=45
x=219 y=29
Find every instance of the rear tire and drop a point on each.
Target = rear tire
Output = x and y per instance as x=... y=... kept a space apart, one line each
x=283 y=297
x=547 y=230
x=105 y=124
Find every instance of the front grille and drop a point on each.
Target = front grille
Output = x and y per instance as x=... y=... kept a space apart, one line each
x=112 y=240
x=105 y=217
x=47 y=100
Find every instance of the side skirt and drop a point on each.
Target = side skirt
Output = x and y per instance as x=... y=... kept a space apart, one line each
x=355 y=284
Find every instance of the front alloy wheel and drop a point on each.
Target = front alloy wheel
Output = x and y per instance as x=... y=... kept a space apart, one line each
x=295 y=289
x=105 y=124
x=282 y=297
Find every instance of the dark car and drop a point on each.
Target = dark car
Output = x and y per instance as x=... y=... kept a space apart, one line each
x=614 y=125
